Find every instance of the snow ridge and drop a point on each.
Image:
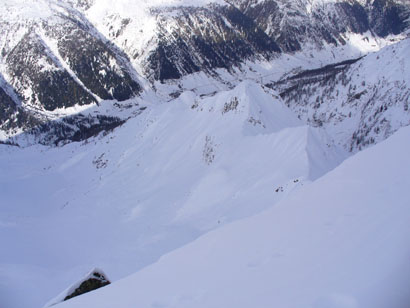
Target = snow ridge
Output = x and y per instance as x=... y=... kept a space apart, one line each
x=333 y=243
x=187 y=167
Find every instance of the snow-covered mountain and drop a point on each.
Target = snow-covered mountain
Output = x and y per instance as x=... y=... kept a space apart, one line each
x=357 y=103
x=131 y=129
x=61 y=54
x=53 y=58
x=340 y=242
x=159 y=181
x=296 y=23
x=177 y=38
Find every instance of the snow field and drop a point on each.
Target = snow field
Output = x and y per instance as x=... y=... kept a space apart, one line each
x=119 y=202
x=339 y=242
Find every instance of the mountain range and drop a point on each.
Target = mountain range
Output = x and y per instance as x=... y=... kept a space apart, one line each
x=60 y=55
x=207 y=153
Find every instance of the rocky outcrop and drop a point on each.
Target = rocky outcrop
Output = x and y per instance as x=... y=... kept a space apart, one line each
x=94 y=281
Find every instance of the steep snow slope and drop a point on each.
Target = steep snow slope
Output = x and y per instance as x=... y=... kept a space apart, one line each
x=340 y=242
x=357 y=105
x=165 y=177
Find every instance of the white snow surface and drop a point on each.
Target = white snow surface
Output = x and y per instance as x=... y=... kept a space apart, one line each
x=339 y=242
x=121 y=201
x=196 y=164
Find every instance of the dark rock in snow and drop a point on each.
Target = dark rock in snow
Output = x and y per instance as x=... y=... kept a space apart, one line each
x=94 y=281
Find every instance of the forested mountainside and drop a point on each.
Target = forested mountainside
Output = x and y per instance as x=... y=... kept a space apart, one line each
x=61 y=54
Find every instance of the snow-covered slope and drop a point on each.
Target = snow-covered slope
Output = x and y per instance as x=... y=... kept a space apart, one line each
x=175 y=135
x=358 y=104
x=121 y=201
x=340 y=242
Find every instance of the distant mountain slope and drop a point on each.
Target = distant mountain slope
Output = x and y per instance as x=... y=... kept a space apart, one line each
x=54 y=59
x=358 y=104
x=295 y=23
x=340 y=242
x=65 y=54
x=169 y=39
